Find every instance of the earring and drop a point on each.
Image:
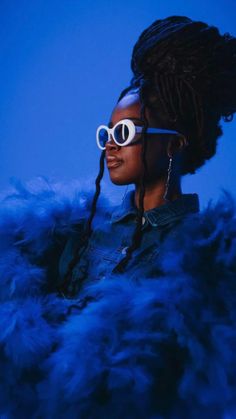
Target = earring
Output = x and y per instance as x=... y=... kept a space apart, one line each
x=168 y=180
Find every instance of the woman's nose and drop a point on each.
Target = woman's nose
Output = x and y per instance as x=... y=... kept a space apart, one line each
x=111 y=145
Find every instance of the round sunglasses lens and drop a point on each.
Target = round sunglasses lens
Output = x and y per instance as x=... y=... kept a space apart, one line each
x=121 y=133
x=103 y=137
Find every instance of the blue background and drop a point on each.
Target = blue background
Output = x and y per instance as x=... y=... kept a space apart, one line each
x=63 y=65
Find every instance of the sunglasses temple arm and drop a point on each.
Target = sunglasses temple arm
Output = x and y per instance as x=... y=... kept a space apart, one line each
x=162 y=131
x=157 y=131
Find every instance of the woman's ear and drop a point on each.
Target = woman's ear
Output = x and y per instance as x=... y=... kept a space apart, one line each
x=176 y=144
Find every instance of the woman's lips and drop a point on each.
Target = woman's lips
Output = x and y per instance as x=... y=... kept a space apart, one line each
x=113 y=162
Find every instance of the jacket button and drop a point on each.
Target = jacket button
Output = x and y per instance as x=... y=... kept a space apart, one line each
x=143 y=220
x=123 y=251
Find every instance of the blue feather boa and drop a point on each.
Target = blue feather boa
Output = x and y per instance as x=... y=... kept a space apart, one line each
x=159 y=348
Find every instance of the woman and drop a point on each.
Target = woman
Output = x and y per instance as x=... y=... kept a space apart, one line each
x=146 y=325
x=157 y=214
x=184 y=82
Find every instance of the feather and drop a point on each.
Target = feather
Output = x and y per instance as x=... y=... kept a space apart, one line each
x=152 y=348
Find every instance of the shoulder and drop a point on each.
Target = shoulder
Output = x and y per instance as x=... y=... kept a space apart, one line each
x=42 y=210
x=204 y=238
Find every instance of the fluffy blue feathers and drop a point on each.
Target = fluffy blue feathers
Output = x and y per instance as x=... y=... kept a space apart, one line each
x=160 y=347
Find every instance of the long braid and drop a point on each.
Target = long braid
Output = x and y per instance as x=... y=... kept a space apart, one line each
x=96 y=195
x=64 y=286
x=137 y=234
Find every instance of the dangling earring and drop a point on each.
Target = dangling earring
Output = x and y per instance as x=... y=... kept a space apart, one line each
x=167 y=186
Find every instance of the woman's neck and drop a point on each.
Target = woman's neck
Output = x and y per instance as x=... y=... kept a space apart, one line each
x=154 y=194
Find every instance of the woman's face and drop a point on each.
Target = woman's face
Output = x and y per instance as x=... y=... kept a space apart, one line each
x=125 y=163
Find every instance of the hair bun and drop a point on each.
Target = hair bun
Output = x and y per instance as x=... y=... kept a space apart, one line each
x=194 y=52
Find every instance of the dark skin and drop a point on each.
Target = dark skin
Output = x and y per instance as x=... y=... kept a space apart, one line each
x=125 y=163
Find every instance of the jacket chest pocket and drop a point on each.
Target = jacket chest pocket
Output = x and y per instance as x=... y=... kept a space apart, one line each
x=98 y=254
x=147 y=255
x=98 y=261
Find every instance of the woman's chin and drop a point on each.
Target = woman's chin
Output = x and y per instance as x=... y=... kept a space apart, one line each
x=118 y=180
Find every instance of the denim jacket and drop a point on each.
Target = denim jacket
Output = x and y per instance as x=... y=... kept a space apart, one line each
x=112 y=234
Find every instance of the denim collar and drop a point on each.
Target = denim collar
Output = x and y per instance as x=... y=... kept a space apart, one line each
x=159 y=216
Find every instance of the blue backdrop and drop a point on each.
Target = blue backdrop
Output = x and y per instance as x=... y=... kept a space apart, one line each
x=63 y=65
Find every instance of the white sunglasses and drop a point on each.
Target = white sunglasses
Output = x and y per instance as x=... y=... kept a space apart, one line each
x=124 y=133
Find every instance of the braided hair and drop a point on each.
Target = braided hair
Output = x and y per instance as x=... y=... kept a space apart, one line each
x=191 y=71
x=66 y=288
x=185 y=74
